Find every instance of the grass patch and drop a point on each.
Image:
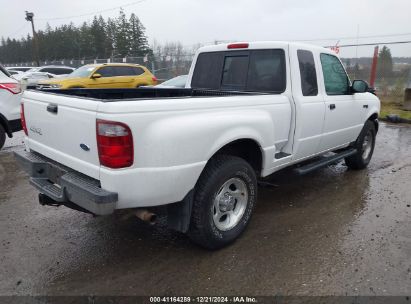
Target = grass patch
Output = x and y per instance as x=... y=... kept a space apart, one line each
x=394 y=108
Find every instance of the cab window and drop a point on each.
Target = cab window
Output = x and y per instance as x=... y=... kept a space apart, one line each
x=309 y=86
x=335 y=78
x=235 y=72
x=245 y=70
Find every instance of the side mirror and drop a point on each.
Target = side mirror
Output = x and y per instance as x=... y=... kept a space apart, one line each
x=95 y=76
x=359 y=86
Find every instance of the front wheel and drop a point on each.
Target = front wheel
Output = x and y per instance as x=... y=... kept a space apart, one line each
x=365 y=148
x=224 y=200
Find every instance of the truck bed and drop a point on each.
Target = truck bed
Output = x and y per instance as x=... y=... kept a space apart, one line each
x=107 y=95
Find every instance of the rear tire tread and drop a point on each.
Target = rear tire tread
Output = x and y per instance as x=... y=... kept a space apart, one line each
x=197 y=232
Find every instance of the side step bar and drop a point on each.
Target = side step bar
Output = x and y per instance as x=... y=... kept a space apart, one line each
x=324 y=162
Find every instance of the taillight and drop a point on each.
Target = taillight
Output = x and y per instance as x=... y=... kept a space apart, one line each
x=23 y=119
x=237 y=46
x=13 y=88
x=115 y=144
x=154 y=78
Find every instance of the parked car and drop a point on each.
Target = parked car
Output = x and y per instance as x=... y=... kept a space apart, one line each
x=19 y=69
x=106 y=75
x=176 y=82
x=196 y=153
x=30 y=78
x=10 y=95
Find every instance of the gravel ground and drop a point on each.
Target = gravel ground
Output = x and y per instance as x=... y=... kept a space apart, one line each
x=332 y=232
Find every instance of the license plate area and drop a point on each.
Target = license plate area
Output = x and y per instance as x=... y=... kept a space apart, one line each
x=54 y=173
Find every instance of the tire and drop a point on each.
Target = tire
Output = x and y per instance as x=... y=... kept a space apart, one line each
x=224 y=200
x=365 y=148
x=2 y=137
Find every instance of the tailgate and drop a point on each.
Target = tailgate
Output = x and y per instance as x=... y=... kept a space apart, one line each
x=63 y=128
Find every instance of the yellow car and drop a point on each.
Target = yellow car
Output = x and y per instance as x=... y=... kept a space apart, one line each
x=106 y=75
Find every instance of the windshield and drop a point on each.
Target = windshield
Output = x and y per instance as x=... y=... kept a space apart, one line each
x=83 y=71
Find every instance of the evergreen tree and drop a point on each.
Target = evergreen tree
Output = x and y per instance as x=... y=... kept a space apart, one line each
x=86 y=43
x=385 y=65
x=98 y=34
x=138 y=40
x=122 y=35
x=99 y=38
x=111 y=38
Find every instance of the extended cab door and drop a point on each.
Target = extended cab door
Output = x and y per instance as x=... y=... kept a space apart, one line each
x=343 y=113
x=309 y=101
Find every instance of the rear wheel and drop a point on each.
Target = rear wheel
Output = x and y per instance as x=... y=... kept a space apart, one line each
x=365 y=148
x=2 y=136
x=224 y=200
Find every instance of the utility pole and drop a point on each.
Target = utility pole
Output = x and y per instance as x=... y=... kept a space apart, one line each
x=30 y=17
x=374 y=67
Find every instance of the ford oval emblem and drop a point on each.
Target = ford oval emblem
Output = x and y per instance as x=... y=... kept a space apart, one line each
x=85 y=147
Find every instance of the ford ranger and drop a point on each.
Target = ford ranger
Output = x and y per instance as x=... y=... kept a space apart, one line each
x=196 y=153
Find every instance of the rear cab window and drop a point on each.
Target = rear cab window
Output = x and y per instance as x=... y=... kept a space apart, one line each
x=246 y=70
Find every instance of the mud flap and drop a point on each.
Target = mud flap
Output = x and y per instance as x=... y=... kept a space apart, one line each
x=179 y=214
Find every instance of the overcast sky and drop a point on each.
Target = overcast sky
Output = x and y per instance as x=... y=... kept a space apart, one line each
x=203 y=21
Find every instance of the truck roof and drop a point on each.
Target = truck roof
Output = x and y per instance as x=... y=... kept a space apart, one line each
x=262 y=45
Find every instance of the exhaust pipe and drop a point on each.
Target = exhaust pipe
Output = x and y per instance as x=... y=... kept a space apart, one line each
x=146 y=216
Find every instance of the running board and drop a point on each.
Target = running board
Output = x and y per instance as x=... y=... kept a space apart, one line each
x=280 y=155
x=324 y=162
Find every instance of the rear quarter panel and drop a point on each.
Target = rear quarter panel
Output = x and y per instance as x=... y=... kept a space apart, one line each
x=174 y=139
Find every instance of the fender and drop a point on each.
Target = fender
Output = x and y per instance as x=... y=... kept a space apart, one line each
x=373 y=115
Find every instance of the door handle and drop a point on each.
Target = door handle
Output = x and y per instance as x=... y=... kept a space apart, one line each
x=52 y=108
x=365 y=106
x=332 y=106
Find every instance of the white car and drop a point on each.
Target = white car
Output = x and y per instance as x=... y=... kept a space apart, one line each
x=30 y=78
x=196 y=153
x=10 y=96
x=176 y=82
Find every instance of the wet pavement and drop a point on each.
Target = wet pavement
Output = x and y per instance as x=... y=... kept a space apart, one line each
x=332 y=232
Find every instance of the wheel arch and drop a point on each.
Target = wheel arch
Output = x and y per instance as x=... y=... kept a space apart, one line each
x=246 y=148
x=374 y=119
x=5 y=124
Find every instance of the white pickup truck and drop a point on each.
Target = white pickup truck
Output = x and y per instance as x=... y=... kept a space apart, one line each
x=195 y=154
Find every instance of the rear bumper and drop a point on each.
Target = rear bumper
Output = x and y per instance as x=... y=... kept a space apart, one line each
x=64 y=185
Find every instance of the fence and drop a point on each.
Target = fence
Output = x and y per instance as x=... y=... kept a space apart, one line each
x=164 y=67
x=390 y=83
x=393 y=76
